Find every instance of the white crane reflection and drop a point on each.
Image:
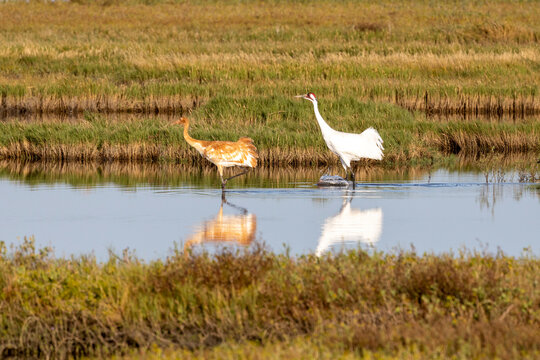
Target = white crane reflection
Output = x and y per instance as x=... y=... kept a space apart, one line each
x=351 y=226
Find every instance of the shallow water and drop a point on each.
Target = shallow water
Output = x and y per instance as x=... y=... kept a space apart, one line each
x=434 y=212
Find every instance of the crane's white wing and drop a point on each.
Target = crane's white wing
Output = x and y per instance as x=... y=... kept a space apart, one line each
x=368 y=144
x=349 y=226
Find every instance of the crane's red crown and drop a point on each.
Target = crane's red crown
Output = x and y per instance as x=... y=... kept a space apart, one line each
x=309 y=96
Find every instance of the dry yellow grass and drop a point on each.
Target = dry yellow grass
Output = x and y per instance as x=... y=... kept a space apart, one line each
x=476 y=57
x=474 y=143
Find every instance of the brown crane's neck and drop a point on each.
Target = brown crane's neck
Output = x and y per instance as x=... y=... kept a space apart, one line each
x=191 y=141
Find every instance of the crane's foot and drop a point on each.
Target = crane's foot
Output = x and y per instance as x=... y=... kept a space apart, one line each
x=332 y=180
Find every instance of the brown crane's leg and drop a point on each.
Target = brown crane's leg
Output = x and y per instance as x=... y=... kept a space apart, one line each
x=241 y=173
x=353 y=179
x=223 y=182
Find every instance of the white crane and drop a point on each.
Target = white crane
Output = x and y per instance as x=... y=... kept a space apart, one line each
x=348 y=147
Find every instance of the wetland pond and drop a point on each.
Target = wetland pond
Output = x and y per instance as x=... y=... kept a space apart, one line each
x=153 y=209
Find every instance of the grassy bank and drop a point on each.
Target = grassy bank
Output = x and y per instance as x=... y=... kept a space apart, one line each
x=291 y=137
x=175 y=56
x=472 y=305
x=233 y=67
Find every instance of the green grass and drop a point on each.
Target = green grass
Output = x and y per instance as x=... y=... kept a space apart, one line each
x=460 y=305
x=284 y=131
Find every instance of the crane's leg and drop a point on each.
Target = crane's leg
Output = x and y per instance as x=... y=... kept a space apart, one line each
x=242 y=209
x=223 y=182
x=345 y=166
x=232 y=177
x=353 y=179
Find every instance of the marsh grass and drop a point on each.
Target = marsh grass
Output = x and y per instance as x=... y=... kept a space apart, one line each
x=59 y=105
x=286 y=137
x=472 y=304
x=234 y=68
x=467 y=106
x=169 y=56
x=305 y=349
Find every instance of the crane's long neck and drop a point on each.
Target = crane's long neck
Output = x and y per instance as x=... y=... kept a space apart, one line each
x=325 y=128
x=191 y=141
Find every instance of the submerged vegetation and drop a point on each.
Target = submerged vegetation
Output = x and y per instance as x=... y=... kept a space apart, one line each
x=470 y=305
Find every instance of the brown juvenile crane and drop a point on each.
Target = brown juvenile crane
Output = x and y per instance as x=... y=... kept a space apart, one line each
x=240 y=229
x=224 y=153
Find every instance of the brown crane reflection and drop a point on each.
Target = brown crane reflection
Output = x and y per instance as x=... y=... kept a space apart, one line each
x=351 y=226
x=239 y=228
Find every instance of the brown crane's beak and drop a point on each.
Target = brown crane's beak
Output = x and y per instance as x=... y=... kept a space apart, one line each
x=182 y=121
x=301 y=96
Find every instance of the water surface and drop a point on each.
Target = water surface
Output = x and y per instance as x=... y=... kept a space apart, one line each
x=78 y=212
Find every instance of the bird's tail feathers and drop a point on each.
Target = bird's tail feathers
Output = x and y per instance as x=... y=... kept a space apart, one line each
x=373 y=144
x=246 y=140
x=251 y=149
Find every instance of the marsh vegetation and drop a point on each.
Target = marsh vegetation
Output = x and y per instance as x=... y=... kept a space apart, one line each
x=408 y=139
x=466 y=304
x=176 y=56
x=233 y=68
x=88 y=91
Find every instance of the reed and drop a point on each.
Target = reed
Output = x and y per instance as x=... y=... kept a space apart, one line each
x=468 y=304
